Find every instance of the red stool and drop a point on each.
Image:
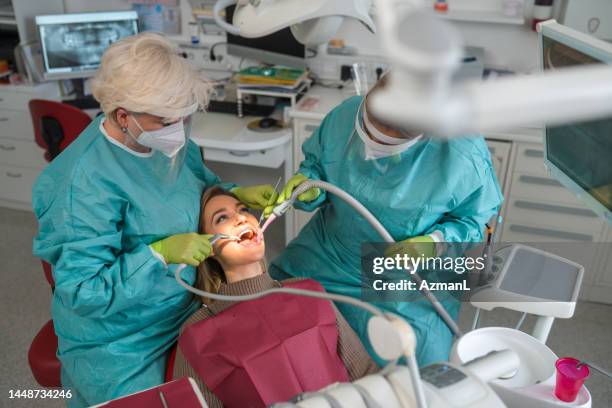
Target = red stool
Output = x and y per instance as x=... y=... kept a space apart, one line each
x=42 y=357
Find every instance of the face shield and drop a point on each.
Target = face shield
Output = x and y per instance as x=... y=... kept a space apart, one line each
x=168 y=144
x=368 y=144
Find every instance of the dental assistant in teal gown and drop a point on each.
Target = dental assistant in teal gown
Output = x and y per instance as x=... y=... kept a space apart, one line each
x=426 y=191
x=117 y=211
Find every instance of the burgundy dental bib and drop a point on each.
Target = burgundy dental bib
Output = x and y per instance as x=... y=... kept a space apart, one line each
x=267 y=350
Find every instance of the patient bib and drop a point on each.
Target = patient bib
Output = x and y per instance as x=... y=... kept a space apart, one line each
x=267 y=350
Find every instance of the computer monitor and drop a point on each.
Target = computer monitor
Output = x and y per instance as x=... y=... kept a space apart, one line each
x=72 y=44
x=579 y=155
x=279 y=48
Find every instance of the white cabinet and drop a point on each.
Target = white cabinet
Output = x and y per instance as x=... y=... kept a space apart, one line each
x=540 y=210
x=21 y=159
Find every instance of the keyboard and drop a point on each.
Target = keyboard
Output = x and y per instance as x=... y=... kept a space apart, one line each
x=248 y=109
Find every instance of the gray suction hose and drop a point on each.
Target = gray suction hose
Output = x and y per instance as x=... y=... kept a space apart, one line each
x=300 y=292
x=365 y=213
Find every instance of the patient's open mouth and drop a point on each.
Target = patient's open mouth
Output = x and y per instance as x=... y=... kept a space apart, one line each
x=249 y=237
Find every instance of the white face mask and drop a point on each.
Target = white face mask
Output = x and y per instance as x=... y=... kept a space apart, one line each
x=168 y=140
x=374 y=150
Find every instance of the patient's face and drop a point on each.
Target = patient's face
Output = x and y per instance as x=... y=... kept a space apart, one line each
x=226 y=215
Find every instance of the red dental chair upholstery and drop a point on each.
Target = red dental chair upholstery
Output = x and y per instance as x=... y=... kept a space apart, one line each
x=56 y=125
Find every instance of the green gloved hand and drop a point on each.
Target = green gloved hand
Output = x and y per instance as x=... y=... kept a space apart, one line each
x=415 y=247
x=189 y=248
x=257 y=197
x=296 y=180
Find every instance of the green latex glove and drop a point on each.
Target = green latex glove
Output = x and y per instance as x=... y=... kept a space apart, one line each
x=291 y=185
x=257 y=197
x=189 y=248
x=414 y=247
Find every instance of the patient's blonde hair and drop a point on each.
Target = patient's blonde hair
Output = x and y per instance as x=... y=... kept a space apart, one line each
x=210 y=272
x=144 y=73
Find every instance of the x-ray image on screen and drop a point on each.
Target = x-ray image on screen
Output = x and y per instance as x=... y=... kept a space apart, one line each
x=82 y=44
x=73 y=44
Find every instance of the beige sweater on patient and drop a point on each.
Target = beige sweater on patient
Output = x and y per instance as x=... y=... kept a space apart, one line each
x=356 y=359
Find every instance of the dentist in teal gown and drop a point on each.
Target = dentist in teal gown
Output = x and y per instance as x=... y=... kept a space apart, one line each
x=117 y=211
x=425 y=190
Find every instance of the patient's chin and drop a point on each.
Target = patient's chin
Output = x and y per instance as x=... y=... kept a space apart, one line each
x=241 y=255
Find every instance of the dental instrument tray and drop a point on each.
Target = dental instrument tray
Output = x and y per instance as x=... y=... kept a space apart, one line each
x=530 y=280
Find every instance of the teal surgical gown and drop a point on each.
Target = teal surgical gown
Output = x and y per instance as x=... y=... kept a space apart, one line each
x=435 y=185
x=116 y=309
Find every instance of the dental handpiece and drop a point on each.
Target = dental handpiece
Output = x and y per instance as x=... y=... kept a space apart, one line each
x=277 y=212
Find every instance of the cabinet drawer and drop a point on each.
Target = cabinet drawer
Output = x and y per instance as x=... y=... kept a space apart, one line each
x=17 y=183
x=270 y=158
x=530 y=159
x=15 y=100
x=518 y=231
x=21 y=153
x=542 y=189
x=554 y=215
x=16 y=125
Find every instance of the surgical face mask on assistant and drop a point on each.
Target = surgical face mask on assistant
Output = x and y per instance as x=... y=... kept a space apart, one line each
x=384 y=145
x=168 y=140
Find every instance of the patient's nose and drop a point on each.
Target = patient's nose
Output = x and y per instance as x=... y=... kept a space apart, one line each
x=240 y=218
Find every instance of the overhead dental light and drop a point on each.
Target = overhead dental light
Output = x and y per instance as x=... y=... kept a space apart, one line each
x=312 y=22
x=425 y=53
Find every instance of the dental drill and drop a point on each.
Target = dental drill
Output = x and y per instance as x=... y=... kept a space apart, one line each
x=282 y=209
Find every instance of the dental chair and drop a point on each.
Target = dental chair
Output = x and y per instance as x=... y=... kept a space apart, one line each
x=56 y=125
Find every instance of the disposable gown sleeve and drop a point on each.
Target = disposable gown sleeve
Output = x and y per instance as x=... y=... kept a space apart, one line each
x=94 y=275
x=311 y=165
x=466 y=222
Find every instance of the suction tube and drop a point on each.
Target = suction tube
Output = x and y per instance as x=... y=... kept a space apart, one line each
x=365 y=213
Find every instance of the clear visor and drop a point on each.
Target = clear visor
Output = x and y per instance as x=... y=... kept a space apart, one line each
x=165 y=148
x=362 y=150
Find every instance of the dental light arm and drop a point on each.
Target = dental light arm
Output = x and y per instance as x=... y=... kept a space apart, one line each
x=281 y=209
x=217 y=11
x=312 y=22
x=425 y=53
x=391 y=337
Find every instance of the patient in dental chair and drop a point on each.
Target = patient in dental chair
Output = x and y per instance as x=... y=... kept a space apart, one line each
x=267 y=350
